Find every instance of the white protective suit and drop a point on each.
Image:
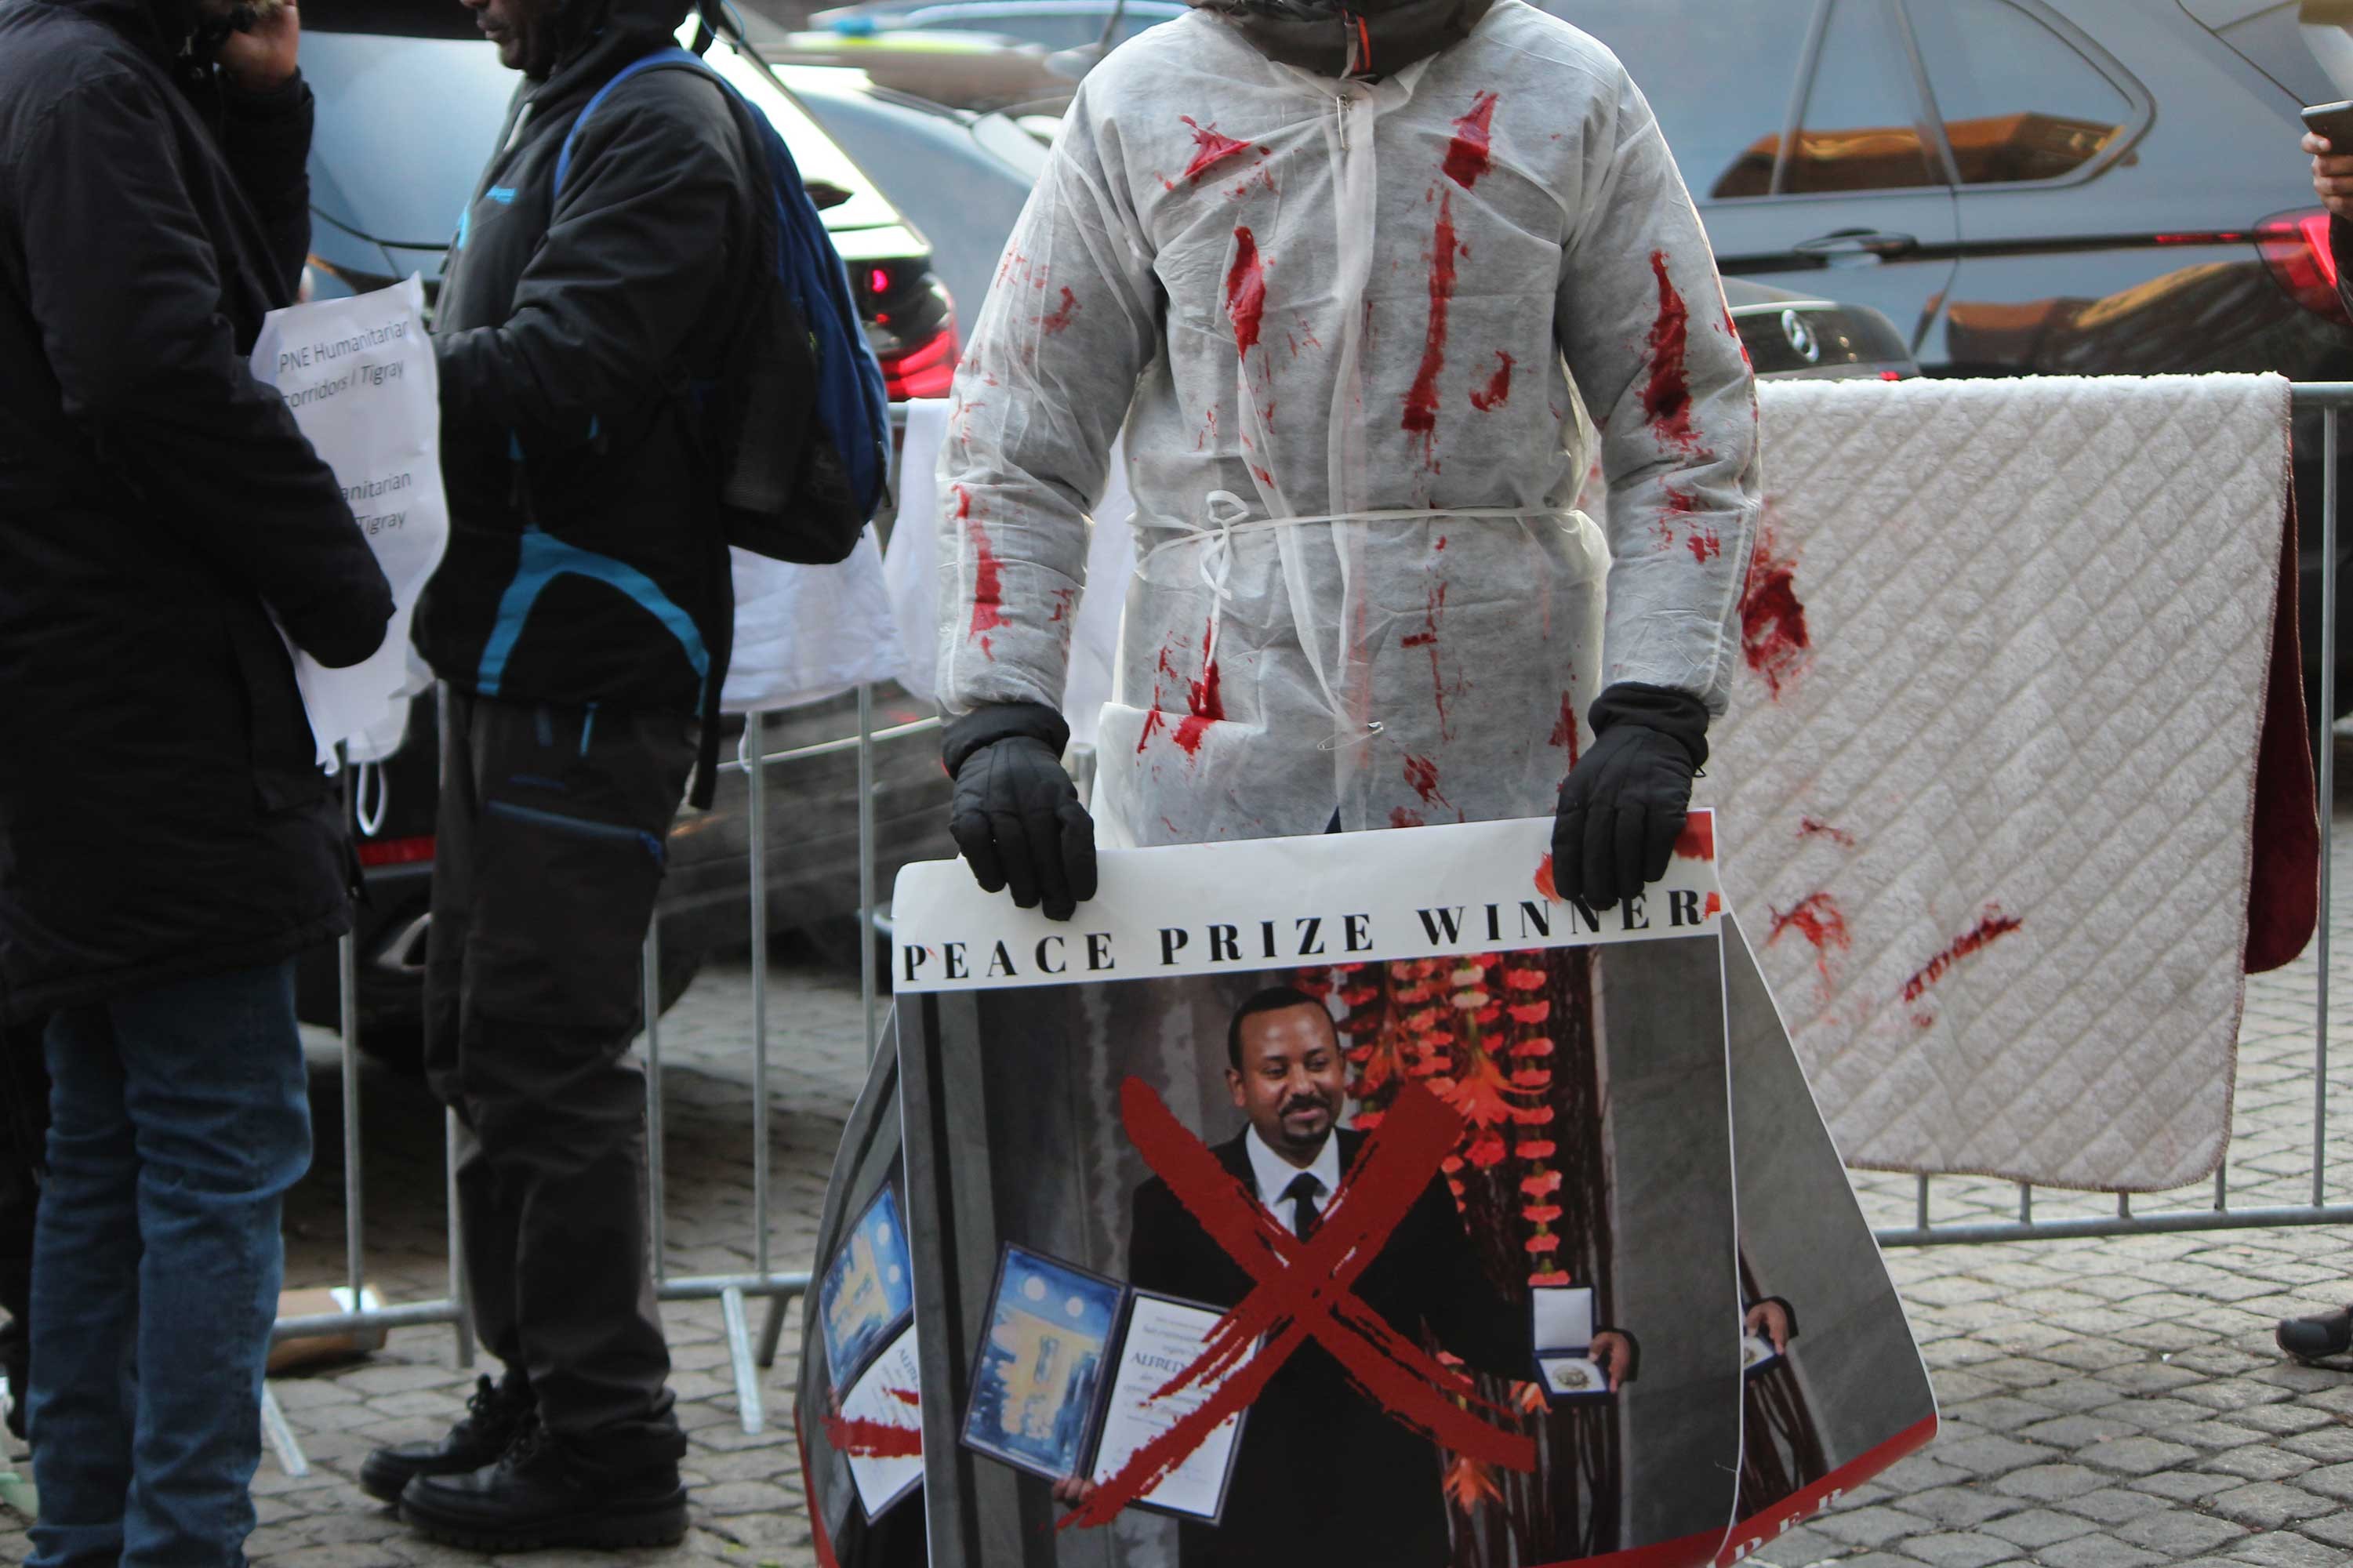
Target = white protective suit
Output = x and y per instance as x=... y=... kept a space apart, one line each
x=1337 y=322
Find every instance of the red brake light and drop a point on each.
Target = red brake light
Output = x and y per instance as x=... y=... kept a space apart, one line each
x=396 y=851
x=877 y=280
x=2295 y=247
x=926 y=369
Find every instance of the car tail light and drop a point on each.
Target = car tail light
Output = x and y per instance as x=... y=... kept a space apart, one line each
x=925 y=369
x=396 y=851
x=2295 y=248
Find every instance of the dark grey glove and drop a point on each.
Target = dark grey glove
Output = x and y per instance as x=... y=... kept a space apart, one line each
x=1622 y=806
x=1016 y=814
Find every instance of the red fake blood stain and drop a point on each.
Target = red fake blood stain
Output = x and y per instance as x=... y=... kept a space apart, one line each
x=1403 y=817
x=1992 y=929
x=1433 y=613
x=1564 y=734
x=1245 y=291
x=1499 y=386
x=1205 y=703
x=1823 y=925
x=1705 y=545
x=1667 y=401
x=1697 y=840
x=1811 y=828
x=1421 y=399
x=1544 y=883
x=1210 y=146
x=1056 y=320
x=1062 y=597
x=861 y=1438
x=1773 y=630
x=988 y=577
x=1470 y=155
x=1422 y=774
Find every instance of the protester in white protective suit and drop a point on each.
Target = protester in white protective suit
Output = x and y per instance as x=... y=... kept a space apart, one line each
x=1334 y=274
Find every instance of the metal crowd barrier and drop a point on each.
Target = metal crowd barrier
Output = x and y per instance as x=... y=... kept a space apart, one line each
x=2329 y=399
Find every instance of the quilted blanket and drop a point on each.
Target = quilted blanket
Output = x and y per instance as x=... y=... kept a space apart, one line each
x=1989 y=784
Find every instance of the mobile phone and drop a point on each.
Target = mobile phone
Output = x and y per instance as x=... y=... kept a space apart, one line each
x=2334 y=121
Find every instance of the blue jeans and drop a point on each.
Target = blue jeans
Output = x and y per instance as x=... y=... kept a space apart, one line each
x=178 y=1119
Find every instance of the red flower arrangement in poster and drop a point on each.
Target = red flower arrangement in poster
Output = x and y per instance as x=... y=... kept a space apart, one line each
x=1505 y=1039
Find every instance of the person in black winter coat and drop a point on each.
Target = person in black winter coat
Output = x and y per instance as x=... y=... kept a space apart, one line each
x=580 y=621
x=166 y=842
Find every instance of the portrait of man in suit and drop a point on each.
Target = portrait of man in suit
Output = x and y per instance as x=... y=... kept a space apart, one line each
x=1323 y=1474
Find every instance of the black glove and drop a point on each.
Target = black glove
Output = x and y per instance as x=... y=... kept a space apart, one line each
x=1016 y=813
x=1623 y=805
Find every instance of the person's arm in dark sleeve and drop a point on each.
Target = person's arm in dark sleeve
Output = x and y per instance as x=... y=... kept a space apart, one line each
x=1469 y=1316
x=124 y=288
x=1153 y=1217
x=266 y=140
x=634 y=249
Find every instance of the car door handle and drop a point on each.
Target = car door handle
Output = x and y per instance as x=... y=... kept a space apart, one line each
x=1858 y=242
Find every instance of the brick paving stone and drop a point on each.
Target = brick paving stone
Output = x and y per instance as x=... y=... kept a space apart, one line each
x=2184 y=1486
x=2258 y=1462
x=2180 y=1533
x=2331 y=1529
x=2285 y=1549
x=1959 y=1549
x=2330 y=1444
x=1957 y=1508
x=2136 y=1456
x=2097 y=1552
x=2331 y=1481
x=2268 y=1505
x=2113 y=1505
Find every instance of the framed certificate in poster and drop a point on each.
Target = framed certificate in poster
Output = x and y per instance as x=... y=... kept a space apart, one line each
x=1164 y=1336
x=886 y=1397
x=1041 y=1364
x=868 y=1294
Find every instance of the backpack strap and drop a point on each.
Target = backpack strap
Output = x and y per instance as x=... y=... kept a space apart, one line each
x=660 y=59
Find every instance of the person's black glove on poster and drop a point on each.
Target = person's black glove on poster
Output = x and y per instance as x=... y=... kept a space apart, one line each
x=1623 y=804
x=1016 y=814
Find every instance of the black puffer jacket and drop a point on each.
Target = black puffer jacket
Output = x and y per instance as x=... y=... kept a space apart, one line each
x=584 y=562
x=160 y=813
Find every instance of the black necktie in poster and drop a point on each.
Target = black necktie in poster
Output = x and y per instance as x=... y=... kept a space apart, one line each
x=1521 y=1326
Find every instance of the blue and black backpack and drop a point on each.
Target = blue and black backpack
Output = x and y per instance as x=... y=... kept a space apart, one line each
x=799 y=418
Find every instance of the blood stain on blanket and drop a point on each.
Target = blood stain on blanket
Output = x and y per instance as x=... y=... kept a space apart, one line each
x=1245 y=291
x=1822 y=922
x=1773 y=631
x=1814 y=827
x=1499 y=386
x=1667 y=400
x=1403 y=817
x=1059 y=319
x=1211 y=147
x=1988 y=930
x=1421 y=398
x=988 y=577
x=858 y=1437
x=1564 y=734
x=1470 y=155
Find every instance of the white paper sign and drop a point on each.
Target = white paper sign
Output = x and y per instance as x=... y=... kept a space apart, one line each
x=359 y=376
x=889 y=1395
x=1164 y=1338
x=1206 y=909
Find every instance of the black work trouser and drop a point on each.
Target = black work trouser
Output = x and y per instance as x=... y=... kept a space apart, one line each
x=551 y=843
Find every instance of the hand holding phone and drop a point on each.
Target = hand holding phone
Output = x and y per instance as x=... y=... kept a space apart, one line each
x=261 y=52
x=2333 y=124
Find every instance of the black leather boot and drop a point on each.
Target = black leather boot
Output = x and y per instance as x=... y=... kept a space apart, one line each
x=535 y=1497
x=494 y=1417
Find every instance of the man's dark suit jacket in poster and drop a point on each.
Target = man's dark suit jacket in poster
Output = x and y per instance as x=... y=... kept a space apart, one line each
x=1324 y=1476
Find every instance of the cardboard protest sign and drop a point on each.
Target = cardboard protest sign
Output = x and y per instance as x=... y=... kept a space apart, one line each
x=1355 y=1198
x=358 y=376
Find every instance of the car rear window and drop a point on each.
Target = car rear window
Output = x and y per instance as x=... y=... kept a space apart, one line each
x=2271 y=37
x=391 y=18
x=1721 y=103
x=2020 y=103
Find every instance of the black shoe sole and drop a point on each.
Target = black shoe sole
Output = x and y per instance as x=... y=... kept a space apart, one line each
x=384 y=1482
x=663 y=1524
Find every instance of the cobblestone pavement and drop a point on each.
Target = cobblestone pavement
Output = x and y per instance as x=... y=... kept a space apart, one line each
x=2108 y=1404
